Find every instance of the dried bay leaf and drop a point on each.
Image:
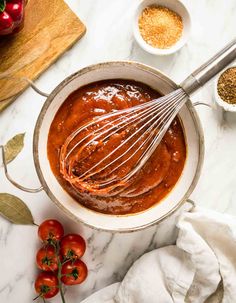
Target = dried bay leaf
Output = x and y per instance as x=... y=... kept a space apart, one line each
x=15 y=210
x=13 y=147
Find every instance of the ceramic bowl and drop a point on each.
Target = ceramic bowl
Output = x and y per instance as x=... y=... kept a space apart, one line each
x=174 y=5
x=125 y=223
x=226 y=106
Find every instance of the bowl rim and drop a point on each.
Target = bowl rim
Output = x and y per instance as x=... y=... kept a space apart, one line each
x=95 y=67
x=158 y=51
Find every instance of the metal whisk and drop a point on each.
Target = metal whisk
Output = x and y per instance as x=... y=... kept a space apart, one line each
x=124 y=140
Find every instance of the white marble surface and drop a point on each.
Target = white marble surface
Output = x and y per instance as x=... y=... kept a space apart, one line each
x=109 y=37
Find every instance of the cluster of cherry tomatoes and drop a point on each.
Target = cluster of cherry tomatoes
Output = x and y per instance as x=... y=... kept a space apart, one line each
x=59 y=260
x=11 y=16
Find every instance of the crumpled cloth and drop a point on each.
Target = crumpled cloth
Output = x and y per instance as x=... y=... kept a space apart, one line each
x=200 y=268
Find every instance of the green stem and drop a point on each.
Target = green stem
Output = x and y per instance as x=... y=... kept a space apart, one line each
x=60 y=284
x=59 y=275
x=65 y=261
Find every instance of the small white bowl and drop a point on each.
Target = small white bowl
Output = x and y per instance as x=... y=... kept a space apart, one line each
x=174 y=5
x=226 y=106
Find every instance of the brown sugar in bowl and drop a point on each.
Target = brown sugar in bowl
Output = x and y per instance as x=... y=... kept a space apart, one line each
x=160 y=27
x=166 y=35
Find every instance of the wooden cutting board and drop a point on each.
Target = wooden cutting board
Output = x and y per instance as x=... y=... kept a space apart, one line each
x=50 y=29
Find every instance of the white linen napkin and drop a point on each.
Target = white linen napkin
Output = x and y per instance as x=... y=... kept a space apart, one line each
x=200 y=268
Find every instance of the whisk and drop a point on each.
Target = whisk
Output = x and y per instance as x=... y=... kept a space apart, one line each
x=103 y=156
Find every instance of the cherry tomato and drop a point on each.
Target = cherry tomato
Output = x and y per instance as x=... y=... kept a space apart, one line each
x=74 y=272
x=50 y=230
x=6 y=22
x=46 y=258
x=46 y=285
x=15 y=10
x=72 y=246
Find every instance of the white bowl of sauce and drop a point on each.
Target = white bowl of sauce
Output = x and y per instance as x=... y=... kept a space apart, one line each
x=128 y=222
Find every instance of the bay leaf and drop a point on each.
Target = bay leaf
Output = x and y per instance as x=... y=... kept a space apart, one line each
x=15 y=210
x=13 y=147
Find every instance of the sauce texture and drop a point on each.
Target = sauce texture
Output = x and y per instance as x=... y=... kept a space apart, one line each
x=157 y=177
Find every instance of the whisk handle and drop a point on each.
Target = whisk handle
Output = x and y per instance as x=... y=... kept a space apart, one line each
x=208 y=70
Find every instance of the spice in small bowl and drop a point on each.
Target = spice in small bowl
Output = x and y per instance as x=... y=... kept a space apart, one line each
x=226 y=89
x=161 y=27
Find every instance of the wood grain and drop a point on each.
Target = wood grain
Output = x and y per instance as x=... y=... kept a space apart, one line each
x=50 y=29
